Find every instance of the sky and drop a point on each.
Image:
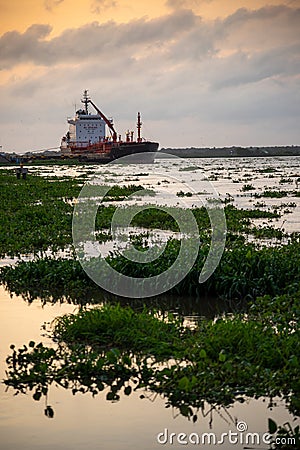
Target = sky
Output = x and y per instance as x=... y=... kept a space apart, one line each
x=203 y=73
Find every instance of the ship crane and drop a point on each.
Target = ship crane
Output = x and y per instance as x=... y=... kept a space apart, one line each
x=87 y=100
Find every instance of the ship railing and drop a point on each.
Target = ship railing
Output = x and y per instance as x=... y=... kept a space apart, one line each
x=78 y=144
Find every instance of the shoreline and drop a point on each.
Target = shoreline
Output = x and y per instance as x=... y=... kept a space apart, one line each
x=188 y=152
x=233 y=152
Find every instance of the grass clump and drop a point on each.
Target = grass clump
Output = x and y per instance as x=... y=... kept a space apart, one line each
x=121 y=327
x=272 y=194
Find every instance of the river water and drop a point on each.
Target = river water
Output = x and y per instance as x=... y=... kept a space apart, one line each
x=83 y=422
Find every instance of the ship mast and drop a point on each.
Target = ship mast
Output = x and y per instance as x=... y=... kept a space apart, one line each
x=139 y=126
x=86 y=100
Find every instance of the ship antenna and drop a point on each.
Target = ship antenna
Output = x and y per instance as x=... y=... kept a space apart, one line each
x=85 y=100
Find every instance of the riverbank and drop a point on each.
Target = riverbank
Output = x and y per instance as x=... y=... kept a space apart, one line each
x=191 y=152
x=233 y=152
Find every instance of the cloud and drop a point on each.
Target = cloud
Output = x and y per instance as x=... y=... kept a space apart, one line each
x=185 y=74
x=242 y=68
x=267 y=27
x=18 y=47
x=91 y=41
x=101 y=5
x=176 y=38
x=185 y=4
x=51 y=4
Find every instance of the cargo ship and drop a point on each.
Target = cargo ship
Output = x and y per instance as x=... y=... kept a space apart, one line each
x=87 y=138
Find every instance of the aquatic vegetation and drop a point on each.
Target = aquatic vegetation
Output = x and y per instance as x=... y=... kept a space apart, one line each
x=121 y=327
x=285 y=205
x=156 y=218
x=280 y=312
x=188 y=169
x=117 y=193
x=237 y=220
x=220 y=361
x=36 y=213
x=47 y=278
x=184 y=194
x=286 y=437
x=244 y=272
x=267 y=170
x=248 y=187
x=272 y=194
x=285 y=180
x=267 y=232
x=213 y=177
x=38 y=216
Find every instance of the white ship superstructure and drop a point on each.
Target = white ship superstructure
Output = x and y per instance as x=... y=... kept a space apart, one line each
x=86 y=128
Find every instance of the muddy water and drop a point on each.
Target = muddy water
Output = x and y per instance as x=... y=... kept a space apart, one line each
x=83 y=422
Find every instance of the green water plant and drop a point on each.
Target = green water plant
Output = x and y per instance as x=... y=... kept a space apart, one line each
x=219 y=361
x=284 y=437
x=114 y=326
x=36 y=214
x=244 y=272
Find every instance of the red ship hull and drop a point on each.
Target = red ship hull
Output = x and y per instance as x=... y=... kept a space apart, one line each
x=143 y=152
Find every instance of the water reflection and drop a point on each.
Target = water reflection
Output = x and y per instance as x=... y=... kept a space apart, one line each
x=190 y=307
x=114 y=374
x=123 y=351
